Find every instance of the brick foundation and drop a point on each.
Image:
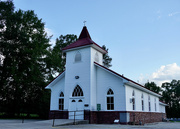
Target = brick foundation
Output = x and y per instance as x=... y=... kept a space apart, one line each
x=101 y=117
x=146 y=117
x=53 y=114
x=108 y=117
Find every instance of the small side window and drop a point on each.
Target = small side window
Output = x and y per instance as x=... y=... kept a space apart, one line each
x=61 y=101
x=77 y=57
x=96 y=57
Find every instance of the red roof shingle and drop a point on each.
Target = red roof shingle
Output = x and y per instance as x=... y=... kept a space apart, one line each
x=83 y=40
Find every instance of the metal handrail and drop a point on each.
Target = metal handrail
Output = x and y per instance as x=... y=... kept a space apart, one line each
x=76 y=115
x=71 y=115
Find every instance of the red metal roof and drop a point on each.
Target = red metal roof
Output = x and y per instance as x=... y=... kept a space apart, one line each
x=79 y=43
x=84 y=40
x=84 y=33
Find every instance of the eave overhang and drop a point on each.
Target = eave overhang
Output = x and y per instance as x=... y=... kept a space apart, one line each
x=129 y=83
x=95 y=46
x=162 y=103
x=60 y=76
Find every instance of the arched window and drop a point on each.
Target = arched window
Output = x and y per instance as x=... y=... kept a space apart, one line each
x=142 y=101
x=110 y=99
x=77 y=57
x=61 y=101
x=133 y=100
x=155 y=104
x=149 y=103
x=77 y=91
x=96 y=57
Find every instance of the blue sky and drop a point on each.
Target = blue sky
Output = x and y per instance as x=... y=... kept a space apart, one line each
x=143 y=37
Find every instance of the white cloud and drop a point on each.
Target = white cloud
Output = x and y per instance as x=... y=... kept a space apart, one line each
x=52 y=42
x=49 y=31
x=159 y=14
x=165 y=73
x=172 y=14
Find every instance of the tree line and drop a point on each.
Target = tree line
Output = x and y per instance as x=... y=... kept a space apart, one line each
x=29 y=61
x=170 y=92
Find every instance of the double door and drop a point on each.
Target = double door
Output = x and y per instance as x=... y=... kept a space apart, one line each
x=76 y=108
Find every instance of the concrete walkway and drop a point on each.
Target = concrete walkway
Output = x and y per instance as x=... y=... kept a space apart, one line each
x=47 y=124
x=36 y=124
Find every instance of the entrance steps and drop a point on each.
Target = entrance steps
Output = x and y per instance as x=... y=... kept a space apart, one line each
x=63 y=122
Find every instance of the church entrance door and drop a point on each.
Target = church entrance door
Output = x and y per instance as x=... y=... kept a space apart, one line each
x=76 y=108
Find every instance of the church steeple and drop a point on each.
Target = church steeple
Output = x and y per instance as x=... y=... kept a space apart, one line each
x=84 y=40
x=84 y=33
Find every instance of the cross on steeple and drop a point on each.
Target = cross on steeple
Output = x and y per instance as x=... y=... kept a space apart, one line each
x=84 y=23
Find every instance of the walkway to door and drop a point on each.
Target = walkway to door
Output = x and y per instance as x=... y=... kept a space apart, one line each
x=36 y=124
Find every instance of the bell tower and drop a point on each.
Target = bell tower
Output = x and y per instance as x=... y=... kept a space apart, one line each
x=81 y=72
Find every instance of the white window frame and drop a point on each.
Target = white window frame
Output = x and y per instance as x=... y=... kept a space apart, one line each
x=133 y=101
x=78 y=57
x=109 y=96
x=61 y=98
x=149 y=103
x=142 y=101
x=155 y=104
x=77 y=92
x=96 y=57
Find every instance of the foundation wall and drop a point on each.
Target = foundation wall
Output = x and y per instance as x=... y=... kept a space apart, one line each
x=53 y=114
x=108 y=117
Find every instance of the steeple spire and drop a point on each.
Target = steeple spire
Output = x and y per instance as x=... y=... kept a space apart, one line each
x=84 y=33
x=84 y=40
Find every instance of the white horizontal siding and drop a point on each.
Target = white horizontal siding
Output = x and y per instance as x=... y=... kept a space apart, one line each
x=106 y=80
x=55 y=92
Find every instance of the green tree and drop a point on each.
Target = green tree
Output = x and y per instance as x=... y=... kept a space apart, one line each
x=171 y=96
x=24 y=44
x=153 y=87
x=106 y=58
x=57 y=53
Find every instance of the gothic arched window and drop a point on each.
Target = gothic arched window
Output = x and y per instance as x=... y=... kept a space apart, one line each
x=133 y=100
x=77 y=57
x=155 y=104
x=110 y=99
x=77 y=91
x=61 y=101
x=149 y=103
x=142 y=101
x=96 y=57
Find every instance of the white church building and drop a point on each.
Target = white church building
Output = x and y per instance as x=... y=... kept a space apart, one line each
x=93 y=92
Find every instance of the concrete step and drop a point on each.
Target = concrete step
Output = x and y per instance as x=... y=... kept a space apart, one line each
x=60 y=122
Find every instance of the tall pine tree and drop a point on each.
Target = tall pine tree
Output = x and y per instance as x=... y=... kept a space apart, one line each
x=24 y=44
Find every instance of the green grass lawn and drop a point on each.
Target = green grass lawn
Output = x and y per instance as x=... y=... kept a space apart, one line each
x=173 y=121
x=3 y=115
